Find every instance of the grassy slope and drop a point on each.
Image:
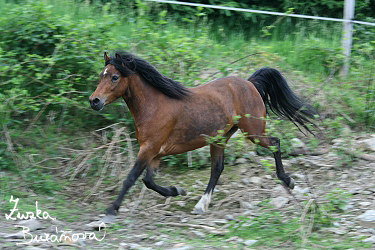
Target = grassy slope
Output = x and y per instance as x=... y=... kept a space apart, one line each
x=295 y=55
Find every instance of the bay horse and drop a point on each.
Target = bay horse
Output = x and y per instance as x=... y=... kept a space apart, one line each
x=172 y=119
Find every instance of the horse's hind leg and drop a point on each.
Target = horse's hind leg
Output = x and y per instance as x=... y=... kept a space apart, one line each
x=149 y=182
x=255 y=129
x=288 y=181
x=217 y=166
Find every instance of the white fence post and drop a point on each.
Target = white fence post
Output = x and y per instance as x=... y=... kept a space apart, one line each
x=347 y=33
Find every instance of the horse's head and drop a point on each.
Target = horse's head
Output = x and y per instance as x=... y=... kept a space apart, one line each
x=113 y=83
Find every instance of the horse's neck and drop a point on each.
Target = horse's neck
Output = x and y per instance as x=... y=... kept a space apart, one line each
x=141 y=98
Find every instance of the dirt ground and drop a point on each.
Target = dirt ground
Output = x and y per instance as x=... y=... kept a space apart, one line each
x=246 y=194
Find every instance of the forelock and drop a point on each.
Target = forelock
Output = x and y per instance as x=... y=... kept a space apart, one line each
x=118 y=64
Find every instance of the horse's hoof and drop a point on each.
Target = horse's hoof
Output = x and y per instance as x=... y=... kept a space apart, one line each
x=111 y=211
x=197 y=211
x=109 y=218
x=291 y=183
x=180 y=191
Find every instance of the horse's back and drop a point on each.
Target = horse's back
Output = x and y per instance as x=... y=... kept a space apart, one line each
x=213 y=106
x=233 y=92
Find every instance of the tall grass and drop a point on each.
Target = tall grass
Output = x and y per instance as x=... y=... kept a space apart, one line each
x=306 y=45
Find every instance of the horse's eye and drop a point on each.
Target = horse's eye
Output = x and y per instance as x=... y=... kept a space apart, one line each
x=115 y=78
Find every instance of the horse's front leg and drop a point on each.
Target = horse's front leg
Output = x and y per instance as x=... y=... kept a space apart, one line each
x=144 y=157
x=217 y=166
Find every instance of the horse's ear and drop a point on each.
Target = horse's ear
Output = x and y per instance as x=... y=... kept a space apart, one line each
x=118 y=56
x=106 y=57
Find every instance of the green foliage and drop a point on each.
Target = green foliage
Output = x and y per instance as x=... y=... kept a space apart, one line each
x=312 y=54
x=313 y=143
x=30 y=30
x=200 y=158
x=282 y=130
x=225 y=23
x=218 y=140
x=364 y=67
x=267 y=224
x=336 y=200
x=268 y=167
x=234 y=21
x=47 y=59
x=177 y=161
x=47 y=66
x=40 y=181
x=237 y=148
x=364 y=33
x=6 y=160
x=329 y=8
x=334 y=126
x=178 y=54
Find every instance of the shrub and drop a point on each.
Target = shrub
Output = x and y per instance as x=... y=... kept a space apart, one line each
x=47 y=59
x=47 y=66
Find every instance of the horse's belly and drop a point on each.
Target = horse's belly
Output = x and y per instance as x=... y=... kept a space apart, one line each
x=180 y=148
x=193 y=136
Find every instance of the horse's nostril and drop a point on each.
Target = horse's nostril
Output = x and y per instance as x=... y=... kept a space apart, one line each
x=96 y=101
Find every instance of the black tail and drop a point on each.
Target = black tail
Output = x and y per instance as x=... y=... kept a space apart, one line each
x=278 y=97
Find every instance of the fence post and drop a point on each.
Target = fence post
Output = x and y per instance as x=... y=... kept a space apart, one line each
x=347 y=32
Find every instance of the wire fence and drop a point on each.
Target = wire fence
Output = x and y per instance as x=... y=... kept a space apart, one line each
x=347 y=20
x=263 y=12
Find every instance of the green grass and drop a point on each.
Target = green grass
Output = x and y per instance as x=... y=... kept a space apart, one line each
x=262 y=228
x=272 y=230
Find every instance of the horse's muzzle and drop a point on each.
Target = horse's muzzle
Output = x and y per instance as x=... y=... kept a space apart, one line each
x=96 y=104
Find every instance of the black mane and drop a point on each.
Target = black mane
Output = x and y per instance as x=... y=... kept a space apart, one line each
x=149 y=73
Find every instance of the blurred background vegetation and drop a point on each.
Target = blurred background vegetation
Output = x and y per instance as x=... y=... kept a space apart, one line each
x=51 y=53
